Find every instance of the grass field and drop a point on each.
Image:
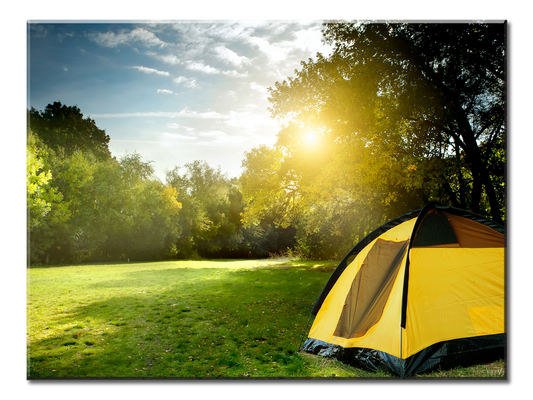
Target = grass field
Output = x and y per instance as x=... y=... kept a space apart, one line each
x=187 y=319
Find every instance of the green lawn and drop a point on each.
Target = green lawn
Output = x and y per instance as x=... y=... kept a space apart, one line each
x=187 y=319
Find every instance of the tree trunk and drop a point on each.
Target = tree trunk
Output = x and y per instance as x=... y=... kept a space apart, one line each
x=480 y=174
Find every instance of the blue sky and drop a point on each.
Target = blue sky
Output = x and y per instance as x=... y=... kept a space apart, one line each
x=173 y=92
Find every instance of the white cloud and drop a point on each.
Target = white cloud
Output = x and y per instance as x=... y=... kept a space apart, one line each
x=38 y=31
x=230 y=57
x=147 y=70
x=165 y=91
x=62 y=36
x=201 y=115
x=273 y=52
x=167 y=59
x=201 y=67
x=213 y=134
x=235 y=74
x=137 y=35
x=228 y=31
x=174 y=125
x=311 y=40
x=187 y=82
x=259 y=88
x=170 y=136
x=146 y=37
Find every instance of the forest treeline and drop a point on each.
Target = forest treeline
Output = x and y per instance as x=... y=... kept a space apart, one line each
x=85 y=205
x=398 y=115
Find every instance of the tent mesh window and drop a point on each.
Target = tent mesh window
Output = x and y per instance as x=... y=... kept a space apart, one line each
x=370 y=288
x=435 y=230
x=441 y=229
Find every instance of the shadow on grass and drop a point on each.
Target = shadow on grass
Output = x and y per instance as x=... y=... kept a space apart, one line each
x=183 y=323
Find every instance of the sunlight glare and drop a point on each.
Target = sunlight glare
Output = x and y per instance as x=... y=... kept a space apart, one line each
x=310 y=137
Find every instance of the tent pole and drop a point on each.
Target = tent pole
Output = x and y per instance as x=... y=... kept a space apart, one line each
x=401 y=354
x=401 y=342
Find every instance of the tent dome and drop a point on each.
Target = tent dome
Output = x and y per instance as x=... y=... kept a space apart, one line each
x=423 y=290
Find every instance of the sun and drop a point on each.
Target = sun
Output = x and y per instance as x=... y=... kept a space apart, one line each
x=310 y=137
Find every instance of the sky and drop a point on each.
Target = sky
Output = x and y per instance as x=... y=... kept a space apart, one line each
x=172 y=92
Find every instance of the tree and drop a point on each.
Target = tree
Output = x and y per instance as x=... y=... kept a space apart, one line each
x=414 y=111
x=136 y=214
x=85 y=209
x=210 y=221
x=269 y=187
x=39 y=198
x=46 y=211
x=205 y=226
x=64 y=127
x=84 y=205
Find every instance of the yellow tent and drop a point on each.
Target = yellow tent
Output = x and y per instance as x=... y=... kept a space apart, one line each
x=426 y=289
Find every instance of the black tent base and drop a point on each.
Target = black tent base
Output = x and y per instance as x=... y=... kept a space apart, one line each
x=443 y=355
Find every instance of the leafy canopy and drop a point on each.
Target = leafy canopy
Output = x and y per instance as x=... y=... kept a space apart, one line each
x=410 y=112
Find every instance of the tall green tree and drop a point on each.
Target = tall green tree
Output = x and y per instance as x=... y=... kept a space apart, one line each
x=413 y=111
x=63 y=127
x=46 y=210
x=205 y=227
x=134 y=215
x=84 y=205
x=85 y=209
